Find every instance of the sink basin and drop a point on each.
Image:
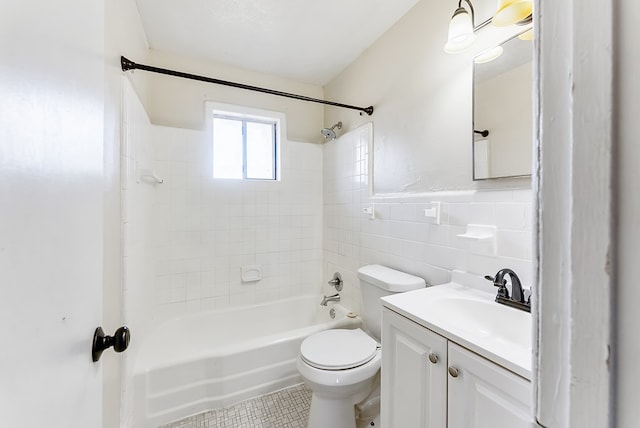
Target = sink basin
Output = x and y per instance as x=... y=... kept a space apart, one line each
x=486 y=318
x=471 y=318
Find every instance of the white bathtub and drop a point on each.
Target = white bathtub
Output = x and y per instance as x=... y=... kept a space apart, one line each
x=210 y=360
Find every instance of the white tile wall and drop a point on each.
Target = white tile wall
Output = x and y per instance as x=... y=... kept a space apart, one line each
x=136 y=210
x=137 y=232
x=186 y=239
x=206 y=229
x=401 y=236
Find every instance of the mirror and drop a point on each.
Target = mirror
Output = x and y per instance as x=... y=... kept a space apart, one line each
x=502 y=112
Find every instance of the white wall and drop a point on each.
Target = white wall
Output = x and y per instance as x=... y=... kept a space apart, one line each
x=422 y=151
x=422 y=99
x=401 y=236
x=180 y=103
x=123 y=36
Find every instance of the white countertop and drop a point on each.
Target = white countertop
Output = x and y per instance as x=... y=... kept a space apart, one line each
x=472 y=319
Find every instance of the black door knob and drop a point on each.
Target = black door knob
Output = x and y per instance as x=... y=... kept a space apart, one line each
x=119 y=341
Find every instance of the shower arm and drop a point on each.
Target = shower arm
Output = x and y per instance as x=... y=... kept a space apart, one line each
x=127 y=65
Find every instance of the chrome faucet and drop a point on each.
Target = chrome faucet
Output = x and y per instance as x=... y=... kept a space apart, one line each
x=516 y=300
x=334 y=298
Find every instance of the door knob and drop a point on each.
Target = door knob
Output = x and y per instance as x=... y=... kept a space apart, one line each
x=433 y=358
x=119 y=341
x=454 y=372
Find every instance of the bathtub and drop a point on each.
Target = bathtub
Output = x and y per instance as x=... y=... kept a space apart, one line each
x=214 y=359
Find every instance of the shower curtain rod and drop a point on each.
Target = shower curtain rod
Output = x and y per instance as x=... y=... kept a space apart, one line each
x=130 y=65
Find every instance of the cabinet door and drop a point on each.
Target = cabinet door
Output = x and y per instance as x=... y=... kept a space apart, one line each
x=414 y=389
x=485 y=395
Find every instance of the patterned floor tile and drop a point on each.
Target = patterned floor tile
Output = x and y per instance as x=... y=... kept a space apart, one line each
x=287 y=408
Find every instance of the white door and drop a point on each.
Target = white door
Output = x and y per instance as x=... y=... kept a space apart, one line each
x=485 y=395
x=51 y=216
x=414 y=380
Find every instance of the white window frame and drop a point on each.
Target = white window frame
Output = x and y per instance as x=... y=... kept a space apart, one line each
x=251 y=114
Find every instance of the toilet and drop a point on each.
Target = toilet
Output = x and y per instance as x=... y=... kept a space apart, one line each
x=341 y=366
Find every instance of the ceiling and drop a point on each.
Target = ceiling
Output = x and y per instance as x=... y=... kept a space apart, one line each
x=306 y=41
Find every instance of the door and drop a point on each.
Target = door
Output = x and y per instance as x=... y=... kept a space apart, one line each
x=414 y=380
x=485 y=395
x=51 y=216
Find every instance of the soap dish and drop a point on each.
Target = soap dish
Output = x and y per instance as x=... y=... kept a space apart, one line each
x=484 y=238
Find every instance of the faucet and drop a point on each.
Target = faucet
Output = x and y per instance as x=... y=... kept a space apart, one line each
x=517 y=295
x=334 y=298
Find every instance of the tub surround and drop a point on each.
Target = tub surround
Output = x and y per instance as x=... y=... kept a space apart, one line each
x=187 y=239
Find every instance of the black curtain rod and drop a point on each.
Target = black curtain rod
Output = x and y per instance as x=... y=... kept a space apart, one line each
x=130 y=65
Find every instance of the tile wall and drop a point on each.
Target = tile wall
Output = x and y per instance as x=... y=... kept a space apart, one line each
x=401 y=236
x=137 y=233
x=136 y=209
x=187 y=238
x=205 y=230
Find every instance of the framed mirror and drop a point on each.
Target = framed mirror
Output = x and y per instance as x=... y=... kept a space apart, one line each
x=502 y=111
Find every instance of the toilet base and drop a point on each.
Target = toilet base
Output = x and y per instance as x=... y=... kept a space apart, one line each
x=335 y=413
x=336 y=393
x=327 y=410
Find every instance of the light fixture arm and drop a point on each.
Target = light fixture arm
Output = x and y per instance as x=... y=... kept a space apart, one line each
x=473 y=14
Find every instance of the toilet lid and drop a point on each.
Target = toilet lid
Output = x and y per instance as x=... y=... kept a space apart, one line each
x=338 y=349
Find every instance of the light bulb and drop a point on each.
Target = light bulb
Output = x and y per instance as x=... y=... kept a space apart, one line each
x=461 y=34
x=511 y=12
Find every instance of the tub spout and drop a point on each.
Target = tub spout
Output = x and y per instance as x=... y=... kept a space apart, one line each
x=334 y=298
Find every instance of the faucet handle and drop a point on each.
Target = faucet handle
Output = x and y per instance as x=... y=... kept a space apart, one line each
x=502 y=287
x=336 y=281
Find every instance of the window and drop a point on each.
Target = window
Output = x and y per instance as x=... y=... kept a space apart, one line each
x=245 y=146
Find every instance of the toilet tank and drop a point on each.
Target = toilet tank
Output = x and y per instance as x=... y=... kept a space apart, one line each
x=377 y=281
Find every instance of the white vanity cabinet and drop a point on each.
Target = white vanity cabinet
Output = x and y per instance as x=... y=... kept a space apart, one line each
x=414 y=375
x=431 y=382
x=484 y=394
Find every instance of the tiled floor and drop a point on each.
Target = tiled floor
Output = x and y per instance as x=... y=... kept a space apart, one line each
x=287 y=408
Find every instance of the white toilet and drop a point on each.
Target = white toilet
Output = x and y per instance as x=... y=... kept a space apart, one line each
x=341 y=366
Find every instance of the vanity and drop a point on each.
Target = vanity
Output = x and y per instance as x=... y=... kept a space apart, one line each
x=453 y=357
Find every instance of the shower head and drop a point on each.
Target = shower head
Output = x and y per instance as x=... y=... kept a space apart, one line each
x=329 y=133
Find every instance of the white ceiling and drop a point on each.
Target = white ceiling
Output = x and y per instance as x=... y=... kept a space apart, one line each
x=307 y=41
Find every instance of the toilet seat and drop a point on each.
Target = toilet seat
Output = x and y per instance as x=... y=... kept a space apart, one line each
x=338 y=349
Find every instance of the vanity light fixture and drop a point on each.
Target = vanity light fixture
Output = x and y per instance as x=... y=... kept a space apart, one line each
x=511 y=12
x=488 y=55
x=527 y=35
x=461 y=35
